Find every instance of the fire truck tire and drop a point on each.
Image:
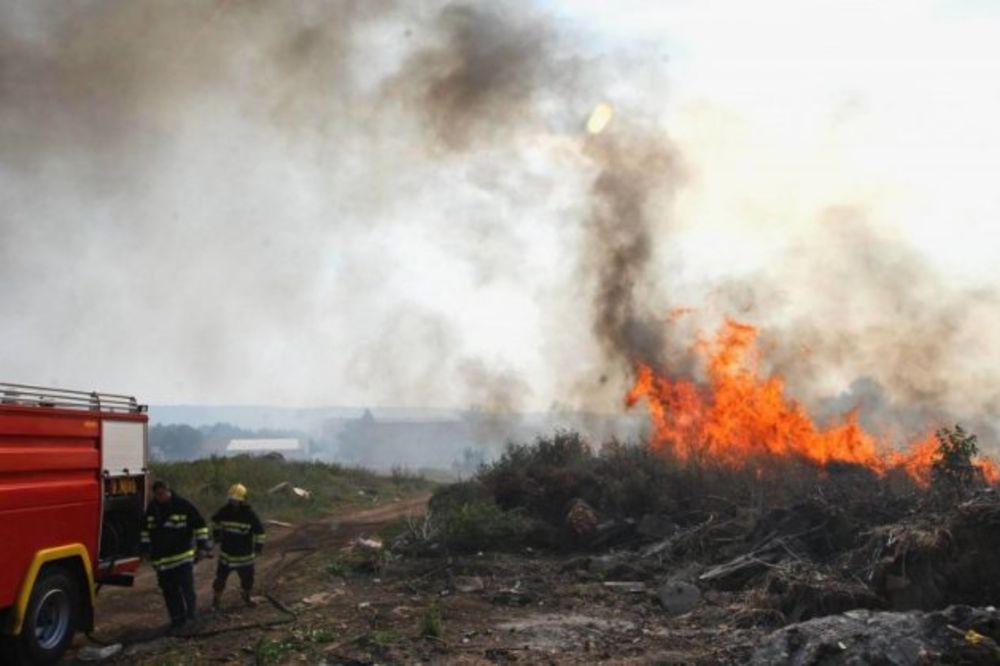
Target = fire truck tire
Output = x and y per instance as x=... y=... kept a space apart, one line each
x=51 y=617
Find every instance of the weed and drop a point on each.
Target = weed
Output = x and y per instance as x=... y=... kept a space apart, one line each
x=431 y=624
x=338 y=568
x=385 y=637
x=320 y=636
x=270 y=651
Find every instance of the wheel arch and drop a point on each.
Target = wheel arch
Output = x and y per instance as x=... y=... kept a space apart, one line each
x=75 y=559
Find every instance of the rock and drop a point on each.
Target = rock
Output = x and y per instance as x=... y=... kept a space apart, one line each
x=653 y=526
x=321 y=598
x=362 y=543
x=629 y=587
x=958 y=634
x=469 y=584
x=288 y=489
x=95 y=653
x=679 y=597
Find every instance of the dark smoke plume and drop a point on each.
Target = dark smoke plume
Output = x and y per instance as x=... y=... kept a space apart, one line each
x=630 y=197
x=480 y=77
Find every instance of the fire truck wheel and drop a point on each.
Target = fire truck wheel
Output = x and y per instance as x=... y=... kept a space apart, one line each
x=51 y=617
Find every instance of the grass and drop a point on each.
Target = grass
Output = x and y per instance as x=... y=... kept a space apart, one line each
x=431 y=624
x=206 y=482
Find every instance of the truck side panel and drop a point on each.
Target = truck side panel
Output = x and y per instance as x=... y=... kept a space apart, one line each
x=49 y=487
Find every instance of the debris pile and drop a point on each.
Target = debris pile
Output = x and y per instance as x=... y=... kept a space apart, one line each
x=816 y=550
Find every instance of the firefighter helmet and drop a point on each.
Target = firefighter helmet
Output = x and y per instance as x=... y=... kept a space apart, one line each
x=238 y=492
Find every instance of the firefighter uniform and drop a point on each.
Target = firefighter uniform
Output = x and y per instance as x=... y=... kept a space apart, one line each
x=240 y=536
x=171 y=532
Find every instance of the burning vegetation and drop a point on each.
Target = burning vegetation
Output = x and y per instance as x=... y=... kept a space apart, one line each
x=738 y=418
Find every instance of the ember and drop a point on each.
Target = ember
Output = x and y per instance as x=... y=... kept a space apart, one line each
x=736 y=416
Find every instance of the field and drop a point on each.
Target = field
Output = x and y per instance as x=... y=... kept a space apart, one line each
x=560 y=553
x=206 y=482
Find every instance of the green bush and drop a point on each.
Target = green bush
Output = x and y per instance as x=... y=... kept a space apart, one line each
x=524 y=497
x=483 y=525
x=543 y=478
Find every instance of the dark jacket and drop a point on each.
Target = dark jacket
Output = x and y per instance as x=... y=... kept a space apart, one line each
x=239 y=533
x=169 y=532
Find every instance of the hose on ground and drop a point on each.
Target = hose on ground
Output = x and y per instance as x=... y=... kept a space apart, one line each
x=266 y=590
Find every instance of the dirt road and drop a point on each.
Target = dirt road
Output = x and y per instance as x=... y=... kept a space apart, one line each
x=137 y=615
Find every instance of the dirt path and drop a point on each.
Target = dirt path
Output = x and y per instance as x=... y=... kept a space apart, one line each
x=135 y=614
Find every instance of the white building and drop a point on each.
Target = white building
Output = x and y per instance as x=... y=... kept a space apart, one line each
x=287 y=447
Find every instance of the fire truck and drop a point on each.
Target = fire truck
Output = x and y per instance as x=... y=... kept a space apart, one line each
x=73 y=484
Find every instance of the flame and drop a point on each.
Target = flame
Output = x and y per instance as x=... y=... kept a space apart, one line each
x=736 y=416
x=599 y=118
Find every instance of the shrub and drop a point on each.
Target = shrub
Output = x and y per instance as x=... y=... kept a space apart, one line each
x=482 y=525
x=953 y=472
x=452 y=497
x=541 y=478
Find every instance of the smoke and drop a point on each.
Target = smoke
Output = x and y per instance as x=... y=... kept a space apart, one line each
x=213 y=201
x=875 y=309
x=636 y=178
x=377 y=202
x=479 y=79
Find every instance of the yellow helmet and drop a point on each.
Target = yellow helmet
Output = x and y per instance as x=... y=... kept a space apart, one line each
x=238 y=492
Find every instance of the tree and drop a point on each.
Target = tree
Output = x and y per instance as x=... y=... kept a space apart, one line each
x=177 y=442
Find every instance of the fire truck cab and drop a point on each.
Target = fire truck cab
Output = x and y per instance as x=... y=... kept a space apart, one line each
x=73 y=484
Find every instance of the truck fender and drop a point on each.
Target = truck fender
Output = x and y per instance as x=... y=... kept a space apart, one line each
x=74 y=552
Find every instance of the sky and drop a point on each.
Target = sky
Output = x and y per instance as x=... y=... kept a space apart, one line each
x=267 y=209
x=895 y=101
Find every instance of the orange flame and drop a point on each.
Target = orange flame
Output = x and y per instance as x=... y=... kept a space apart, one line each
x=738 y=416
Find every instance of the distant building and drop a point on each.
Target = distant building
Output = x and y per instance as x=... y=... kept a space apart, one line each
x=287 y=447
x=408 y=443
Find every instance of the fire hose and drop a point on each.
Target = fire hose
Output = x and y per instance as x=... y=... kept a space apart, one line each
x=266 y=590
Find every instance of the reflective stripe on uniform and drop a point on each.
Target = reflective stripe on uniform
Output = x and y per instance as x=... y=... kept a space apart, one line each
x=260 y=538
x=172 y=561
x=233 y=560
x=174 y=565
x=233 y=528
x=237 y=565
x=226 y=557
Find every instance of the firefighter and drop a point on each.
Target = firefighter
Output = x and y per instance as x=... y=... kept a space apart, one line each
x=240 y=536
x=174 y=536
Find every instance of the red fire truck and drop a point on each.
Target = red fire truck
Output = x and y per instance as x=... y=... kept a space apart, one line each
x=72 y=494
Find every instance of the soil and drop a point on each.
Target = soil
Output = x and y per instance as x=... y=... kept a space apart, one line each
x=326 y=598
x=492 y=608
